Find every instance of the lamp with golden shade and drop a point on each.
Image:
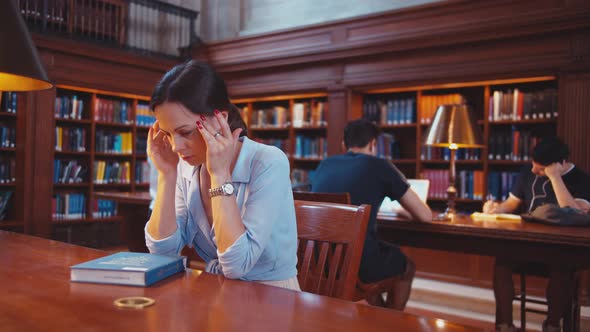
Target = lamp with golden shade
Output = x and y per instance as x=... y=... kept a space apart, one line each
x=20 y=67
x=453 y=127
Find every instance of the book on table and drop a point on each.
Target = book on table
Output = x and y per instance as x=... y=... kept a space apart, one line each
x=128 y=268
x=495 y=216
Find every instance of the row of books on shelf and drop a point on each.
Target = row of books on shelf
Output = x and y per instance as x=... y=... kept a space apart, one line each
x=515 y=145
x=388 y=147
x=7 y=169
x=68 y=171
x=4 y=199
x=515 y=104
x=310 y=147
x=429 y=103
x=275 y=117
x=390 y=112
x=106 y=172
x=142 y=172
x=500 y=183
x=114 y=142
x=69 y=107
x=437 y=153
x=8 y=102
x=143 y=115
x=69 y=206
x=306 y=114
x=469 y=184
x=7 y=137
x=73 y=206
x=104 y=208
x=70 y=139
x=141 y=144
x=113 y=111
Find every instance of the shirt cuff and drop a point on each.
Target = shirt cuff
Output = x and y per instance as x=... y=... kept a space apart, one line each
x=165 y=245
x=232 y=259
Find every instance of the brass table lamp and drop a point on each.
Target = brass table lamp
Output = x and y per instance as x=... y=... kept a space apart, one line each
x=452 y=127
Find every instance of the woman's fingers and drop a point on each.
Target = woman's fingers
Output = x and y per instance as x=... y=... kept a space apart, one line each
x=207 y=136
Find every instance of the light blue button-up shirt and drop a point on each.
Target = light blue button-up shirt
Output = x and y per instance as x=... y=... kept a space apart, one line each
x=267 y=250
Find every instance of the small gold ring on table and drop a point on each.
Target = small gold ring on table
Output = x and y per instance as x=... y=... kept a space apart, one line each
x=217 y=134
x=134 y=302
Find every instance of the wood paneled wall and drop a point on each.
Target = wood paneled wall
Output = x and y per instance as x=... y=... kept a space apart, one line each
x=453 y=41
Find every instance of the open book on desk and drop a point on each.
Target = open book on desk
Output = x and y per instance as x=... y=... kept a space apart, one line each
x=128 y=268
x=394 y=209
x=495 y=216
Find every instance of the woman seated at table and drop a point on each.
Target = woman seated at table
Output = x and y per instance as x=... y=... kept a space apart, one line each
x=229 y=197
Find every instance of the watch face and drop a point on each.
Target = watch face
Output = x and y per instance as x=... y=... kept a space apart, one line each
x=228 y=188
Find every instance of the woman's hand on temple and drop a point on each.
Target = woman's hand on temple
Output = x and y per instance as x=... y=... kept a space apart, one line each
x=221 y=144
x=160 y=151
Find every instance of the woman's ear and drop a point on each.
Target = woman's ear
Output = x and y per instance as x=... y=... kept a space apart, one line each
x=225 y=114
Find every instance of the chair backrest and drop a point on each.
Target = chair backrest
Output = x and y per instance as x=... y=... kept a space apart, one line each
x=330 y=243
x=342 y=198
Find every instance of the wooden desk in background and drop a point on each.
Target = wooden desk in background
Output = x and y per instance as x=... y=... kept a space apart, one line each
x=516 y=239
x=133 y=207
x=562 y=246
x=37 y=295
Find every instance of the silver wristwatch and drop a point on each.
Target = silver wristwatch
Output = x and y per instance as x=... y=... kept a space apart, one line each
x=226 y=189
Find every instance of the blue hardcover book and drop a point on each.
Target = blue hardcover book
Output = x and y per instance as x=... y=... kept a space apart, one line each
x=128 y=268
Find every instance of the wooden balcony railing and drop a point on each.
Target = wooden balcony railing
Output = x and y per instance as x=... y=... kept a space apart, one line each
x=143 y=26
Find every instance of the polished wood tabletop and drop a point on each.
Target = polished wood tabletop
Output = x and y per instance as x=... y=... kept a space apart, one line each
x=37 y=295
x=522 y=239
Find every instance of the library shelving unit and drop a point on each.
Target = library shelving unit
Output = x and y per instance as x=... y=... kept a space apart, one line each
x=100 y=145
x=11 y=200
x=294 y=123
x=511 y=113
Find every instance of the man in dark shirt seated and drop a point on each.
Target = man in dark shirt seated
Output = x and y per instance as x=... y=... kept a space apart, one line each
x=368 y=180
x=550 y=179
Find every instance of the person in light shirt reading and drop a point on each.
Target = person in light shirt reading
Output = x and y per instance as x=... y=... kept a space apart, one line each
x=550 y=179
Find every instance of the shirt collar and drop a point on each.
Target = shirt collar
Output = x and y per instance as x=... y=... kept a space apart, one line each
x=241 y=171
x=243 y=166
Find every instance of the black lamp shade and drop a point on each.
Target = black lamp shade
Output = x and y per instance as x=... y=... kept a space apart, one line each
x=20 y=67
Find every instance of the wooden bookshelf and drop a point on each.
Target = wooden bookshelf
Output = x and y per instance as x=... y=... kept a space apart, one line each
x=13 y=110
x=103 y=139
x=296 y=123
x=407 y=125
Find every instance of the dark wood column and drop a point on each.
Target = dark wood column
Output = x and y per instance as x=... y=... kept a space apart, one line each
x=574 y=122
x=337 y=118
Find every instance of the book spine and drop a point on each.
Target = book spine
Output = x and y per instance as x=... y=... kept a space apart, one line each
x=162 y=272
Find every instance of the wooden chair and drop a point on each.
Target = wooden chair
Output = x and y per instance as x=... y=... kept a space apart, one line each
x=330 y=243
x=340 y=198
x=367 y=291
x=571 y=321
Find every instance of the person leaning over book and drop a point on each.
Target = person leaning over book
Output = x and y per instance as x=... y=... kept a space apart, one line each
x=368 y=180
x=550 y=179
x=218 y=191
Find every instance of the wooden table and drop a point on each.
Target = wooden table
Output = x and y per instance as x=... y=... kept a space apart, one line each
x=37 y=295
x=517 y=239
x=133 y=207
x=568 y=247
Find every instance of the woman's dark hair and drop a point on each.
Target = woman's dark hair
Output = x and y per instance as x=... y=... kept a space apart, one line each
x=550 y=150
x=198 y=87
x=359 y=133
